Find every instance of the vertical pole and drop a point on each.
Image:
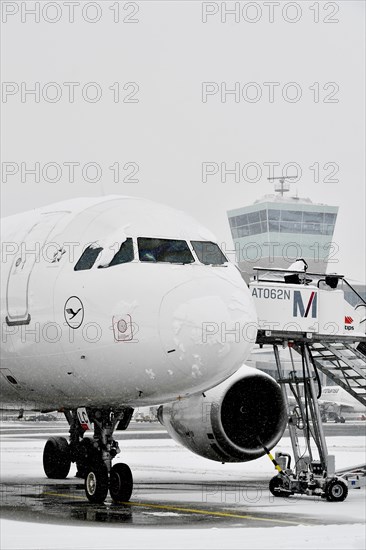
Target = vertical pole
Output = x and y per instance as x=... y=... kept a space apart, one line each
x=301 y=406
x=290 y=423
x=315 y=413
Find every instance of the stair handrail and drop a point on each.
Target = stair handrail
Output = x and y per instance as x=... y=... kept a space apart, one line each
x=355 y=291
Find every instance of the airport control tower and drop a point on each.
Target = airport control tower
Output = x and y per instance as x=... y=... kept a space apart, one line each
x=279 y=228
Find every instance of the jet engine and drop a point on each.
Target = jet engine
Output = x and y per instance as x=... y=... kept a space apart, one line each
x=231 y=422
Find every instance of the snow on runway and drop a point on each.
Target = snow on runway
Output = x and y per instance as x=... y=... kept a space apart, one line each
x=179 y=500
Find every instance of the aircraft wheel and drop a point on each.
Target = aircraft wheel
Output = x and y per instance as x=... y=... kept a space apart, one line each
x=56 y=458
x=336 y=490
x=96 y=483
x=121 y=483
x=277 y=488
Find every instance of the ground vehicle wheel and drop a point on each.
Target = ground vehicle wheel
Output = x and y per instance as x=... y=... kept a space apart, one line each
x=96 y=483
x=276 y=487
x=121 y=483
x=342 y=420
x=336 y=490
x=56 y=458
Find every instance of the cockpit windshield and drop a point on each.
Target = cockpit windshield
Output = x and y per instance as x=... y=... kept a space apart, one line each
x=125 y=254
x=173 y=251
x=208 y=253
x=89 y=256
x=164 y=250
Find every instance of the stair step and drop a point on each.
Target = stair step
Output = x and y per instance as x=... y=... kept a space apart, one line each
x=343 y=364
x=354 y=378
x=344 y=369
x=341 y=368
x=348 y=363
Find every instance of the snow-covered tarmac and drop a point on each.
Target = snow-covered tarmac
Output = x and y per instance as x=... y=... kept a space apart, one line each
x=180 y=500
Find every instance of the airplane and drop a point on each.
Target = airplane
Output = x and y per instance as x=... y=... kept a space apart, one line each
x=335 y=401
x=112 y=303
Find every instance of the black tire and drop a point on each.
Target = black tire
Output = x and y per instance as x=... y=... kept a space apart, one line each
x=121 y=483
x=96 y=484
x=336 y=490
x=276 y=487
x=56 y=458
x=342 y=420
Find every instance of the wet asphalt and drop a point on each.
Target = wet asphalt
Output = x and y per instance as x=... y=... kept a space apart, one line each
x=176 y=504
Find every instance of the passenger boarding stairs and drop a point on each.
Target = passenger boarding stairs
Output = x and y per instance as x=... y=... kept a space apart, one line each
x=312 y=317
x=325 y=323
x=344 y=364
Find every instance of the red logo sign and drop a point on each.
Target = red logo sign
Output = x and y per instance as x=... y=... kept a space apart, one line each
x=348 y=320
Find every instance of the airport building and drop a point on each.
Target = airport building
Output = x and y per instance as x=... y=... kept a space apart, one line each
x=278 y=229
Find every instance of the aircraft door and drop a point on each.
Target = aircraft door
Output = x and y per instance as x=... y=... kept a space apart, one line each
x=22 y=267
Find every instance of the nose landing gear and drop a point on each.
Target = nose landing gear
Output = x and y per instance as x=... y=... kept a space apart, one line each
x=92 y=456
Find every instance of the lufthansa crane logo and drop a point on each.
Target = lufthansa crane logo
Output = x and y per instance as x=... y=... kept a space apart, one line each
x=74 y=312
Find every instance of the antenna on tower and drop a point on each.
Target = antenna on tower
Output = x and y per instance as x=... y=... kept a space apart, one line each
x=282 y=186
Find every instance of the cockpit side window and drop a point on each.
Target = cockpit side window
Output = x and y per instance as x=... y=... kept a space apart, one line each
x=164 y=250
x=208 y=253
x=87 y=259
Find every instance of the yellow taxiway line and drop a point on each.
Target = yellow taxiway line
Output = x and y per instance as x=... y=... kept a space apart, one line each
x=171 y=508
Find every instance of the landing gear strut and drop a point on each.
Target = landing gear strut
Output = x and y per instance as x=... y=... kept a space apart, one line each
x=93 y=456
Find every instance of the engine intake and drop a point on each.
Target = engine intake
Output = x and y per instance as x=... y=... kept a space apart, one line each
x=230 y=422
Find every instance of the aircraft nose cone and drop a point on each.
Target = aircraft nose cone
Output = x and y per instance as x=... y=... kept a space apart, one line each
x=207 y=328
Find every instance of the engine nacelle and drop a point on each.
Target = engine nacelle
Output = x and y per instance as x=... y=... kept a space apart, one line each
x=227 y=422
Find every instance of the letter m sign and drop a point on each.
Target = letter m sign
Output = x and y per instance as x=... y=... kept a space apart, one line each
x=301 y=310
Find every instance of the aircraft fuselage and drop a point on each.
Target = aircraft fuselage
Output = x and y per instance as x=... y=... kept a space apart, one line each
x=130 y=329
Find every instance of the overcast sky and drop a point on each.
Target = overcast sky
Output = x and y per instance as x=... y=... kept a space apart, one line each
x=157 y=122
